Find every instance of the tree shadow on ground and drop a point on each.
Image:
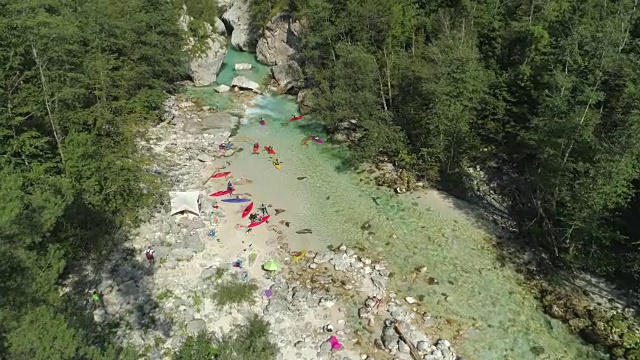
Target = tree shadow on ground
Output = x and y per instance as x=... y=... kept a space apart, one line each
x=482 y=208
x=120 y=274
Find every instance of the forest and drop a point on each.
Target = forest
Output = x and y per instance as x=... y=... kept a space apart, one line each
x=541 y=95
x=79 y=81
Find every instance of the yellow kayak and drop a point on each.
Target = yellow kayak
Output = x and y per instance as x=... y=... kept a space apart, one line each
x=277 y=166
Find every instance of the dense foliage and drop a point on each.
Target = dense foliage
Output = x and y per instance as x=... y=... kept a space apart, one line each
x=78 y=80
x=540 y=95
x=248 y=342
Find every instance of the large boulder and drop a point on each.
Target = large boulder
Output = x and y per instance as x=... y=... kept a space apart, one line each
x=279 y=41
x=237 y=18
x=207 y=57
x=242 y=82
x=220 y=28
x=304 y=102
x=288 y=75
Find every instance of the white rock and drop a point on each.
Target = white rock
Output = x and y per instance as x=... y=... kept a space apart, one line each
x=422 y=345
x=327 y=302
x=221 y=88
x=242 y=67
x=242 y=82
x=410 y=300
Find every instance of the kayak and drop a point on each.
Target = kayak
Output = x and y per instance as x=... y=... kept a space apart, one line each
x=318 y=140
x=295 y=118
x=236 y=200
x=256 y=148
x=272 y=152
x=225 y=146
x=220 y=193
x=247 y=210
x=277 y=166
x=219 y=175
x=254 y=224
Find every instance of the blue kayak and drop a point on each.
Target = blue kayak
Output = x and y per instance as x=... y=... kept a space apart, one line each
x=235 y=200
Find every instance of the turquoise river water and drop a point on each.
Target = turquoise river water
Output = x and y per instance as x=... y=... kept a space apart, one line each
x=487 y=305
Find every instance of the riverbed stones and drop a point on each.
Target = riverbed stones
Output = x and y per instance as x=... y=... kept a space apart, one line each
x=323 y=257
x=181 y=254
x=302 y=301
x=340 y=262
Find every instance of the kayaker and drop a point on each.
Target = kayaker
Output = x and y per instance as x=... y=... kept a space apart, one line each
x=263 y=208
x=276 y=162
x=230 y=188
x=253 y=217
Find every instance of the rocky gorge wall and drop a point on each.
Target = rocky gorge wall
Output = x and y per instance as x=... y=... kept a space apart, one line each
x=276 y=46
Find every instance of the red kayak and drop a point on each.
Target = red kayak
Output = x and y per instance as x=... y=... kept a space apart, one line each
x=247 y=210
x=256 y=148
x=296 y=118
x=270 y=151
x=254 y=224
x=220 y=193
x=220 y=175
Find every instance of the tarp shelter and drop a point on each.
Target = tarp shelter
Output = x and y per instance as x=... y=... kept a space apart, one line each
x=185 y=201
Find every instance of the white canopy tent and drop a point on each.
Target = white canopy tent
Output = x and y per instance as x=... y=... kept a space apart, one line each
x=185 y=201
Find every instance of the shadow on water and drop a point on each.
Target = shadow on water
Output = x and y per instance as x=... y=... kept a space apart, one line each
x=338 y=153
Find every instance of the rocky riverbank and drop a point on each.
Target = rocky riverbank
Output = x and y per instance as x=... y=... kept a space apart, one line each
x=313 y=298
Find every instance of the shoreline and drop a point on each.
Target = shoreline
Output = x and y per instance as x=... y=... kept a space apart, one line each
x=162 y=307
x=452 y=207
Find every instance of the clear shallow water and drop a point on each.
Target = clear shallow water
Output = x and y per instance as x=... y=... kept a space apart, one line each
x=501 y=319
x=258 y=72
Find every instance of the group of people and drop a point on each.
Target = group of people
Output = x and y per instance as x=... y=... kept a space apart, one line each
x=255 y=217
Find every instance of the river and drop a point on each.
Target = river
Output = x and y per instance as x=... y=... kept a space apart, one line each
x=483 y=306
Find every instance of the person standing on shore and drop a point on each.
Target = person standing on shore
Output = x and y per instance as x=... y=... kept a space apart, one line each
x=230 y=188
x=263 y=209
x=149 y=255
x=97 y=299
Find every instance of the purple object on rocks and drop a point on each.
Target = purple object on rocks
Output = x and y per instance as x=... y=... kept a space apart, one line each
x=268 y=293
